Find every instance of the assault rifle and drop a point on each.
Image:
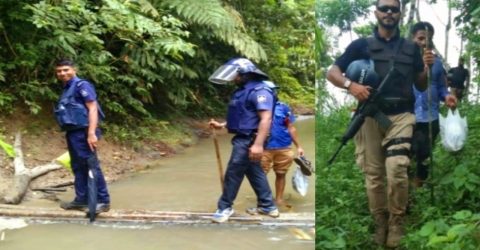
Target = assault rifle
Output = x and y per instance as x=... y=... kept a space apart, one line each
x=367 y=108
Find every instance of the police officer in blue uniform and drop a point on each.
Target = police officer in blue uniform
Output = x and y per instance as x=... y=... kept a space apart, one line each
x=249 y=119
x=78 y=113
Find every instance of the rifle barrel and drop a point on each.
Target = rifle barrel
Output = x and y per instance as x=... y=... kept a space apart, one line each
x=335 y=154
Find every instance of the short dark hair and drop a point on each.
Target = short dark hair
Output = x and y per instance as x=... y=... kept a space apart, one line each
x=65 y=62
x=398 y=1
x=422 y=26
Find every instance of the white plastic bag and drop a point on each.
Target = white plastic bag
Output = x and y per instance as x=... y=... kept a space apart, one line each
x=300 y=182
x=453 y=131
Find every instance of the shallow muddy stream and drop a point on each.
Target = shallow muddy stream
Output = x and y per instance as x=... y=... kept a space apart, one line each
x=189 y=181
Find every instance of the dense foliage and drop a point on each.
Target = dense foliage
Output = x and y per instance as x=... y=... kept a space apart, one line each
x=285 y=30
x=450 y=221
x=150 y=58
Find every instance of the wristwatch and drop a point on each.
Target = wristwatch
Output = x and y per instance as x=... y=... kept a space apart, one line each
x=347 y=83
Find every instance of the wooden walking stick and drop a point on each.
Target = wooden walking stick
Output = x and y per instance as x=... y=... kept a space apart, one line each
x=219 y=158
x=429 y=100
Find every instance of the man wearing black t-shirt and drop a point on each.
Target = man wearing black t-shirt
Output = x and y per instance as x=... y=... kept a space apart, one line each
x=457 y=77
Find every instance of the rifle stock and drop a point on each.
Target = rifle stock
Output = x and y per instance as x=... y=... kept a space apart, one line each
x=367 y=108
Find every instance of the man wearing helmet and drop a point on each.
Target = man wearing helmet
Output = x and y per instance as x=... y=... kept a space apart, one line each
x=384 y=152
x=249 y=118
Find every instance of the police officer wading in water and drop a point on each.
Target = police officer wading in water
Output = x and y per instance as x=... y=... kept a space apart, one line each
x=384 y=151
x=249 y=118
x=78 y=113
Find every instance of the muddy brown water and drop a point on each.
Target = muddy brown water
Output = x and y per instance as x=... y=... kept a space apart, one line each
x=187 y=182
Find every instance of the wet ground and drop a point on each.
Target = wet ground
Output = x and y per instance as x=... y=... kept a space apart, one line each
x=187 y=182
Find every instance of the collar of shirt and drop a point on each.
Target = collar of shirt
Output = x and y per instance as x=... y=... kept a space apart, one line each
x=394 y=38
x=250 y=84
x=71 y=81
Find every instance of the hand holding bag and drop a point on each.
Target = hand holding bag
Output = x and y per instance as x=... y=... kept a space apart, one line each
x=453 y=131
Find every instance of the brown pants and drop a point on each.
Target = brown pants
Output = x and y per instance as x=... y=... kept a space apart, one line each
x=278 y=159
x=391 y=196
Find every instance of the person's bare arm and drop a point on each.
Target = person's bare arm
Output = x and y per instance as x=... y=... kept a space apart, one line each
x=92 y=124
x=293 y=133
x=217 y=125
x=335 y=76
x=421 y=81
x=256 y=150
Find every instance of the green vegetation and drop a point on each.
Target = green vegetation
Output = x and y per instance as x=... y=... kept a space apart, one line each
x=150 y=59
x=451 y=220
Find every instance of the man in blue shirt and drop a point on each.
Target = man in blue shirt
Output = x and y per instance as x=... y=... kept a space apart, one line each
x=249 y=118
x=421 y=145
x=81 y=137
x=278 y=154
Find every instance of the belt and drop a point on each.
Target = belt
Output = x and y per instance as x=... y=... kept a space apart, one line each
x=393 y=106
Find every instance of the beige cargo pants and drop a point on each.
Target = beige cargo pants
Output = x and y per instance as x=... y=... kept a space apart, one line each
x=370 y=140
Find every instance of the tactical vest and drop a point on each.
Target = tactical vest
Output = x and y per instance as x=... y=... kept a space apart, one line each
x=398 y=95
x=70 y=114
x=242 y=116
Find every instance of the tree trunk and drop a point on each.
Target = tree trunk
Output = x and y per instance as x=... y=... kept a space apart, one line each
x=461 y=45
x=159 y=217
x=404 y=7
x=447 y=29
x=410 y=18
x=24 y=176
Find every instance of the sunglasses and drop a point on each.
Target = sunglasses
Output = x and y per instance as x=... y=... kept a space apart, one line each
x=386 y=8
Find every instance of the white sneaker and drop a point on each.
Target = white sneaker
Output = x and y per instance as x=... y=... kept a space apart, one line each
x=256 y=210
x=221 y=216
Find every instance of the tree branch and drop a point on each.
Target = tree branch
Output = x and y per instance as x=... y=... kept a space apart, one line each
x=18 y=162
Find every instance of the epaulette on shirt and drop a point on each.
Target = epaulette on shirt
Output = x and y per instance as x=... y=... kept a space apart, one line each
x=263 y=87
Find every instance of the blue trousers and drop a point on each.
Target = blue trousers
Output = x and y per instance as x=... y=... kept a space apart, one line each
x=79 y=153
x=239 y=166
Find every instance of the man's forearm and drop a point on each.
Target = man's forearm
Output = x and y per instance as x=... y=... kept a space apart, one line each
x=92 y=117
x=293 y=133
x=421 y=82
x=263 y=128
x=335 y=76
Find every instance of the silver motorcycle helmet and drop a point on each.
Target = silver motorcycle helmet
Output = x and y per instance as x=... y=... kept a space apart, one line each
x=230 y=70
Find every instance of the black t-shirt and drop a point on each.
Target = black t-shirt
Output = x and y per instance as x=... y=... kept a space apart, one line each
x=457 y=77
x=358 y=49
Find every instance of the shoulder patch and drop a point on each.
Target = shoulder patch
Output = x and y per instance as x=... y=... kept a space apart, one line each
x=84 y=93
x=261 y=98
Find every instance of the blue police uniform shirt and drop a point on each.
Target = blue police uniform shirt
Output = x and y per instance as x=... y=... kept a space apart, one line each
x=358 y=49
x=438 y=92
x=85 y=92
x=279 y=136
x=246 y=101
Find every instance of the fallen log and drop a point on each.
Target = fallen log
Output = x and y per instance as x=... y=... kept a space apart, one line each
x=60 y=185
x=50 y=189
x=124 y=216
x=24 y=176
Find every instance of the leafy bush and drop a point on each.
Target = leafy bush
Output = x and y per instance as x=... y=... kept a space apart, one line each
x=147 y=58
x=449 y=221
